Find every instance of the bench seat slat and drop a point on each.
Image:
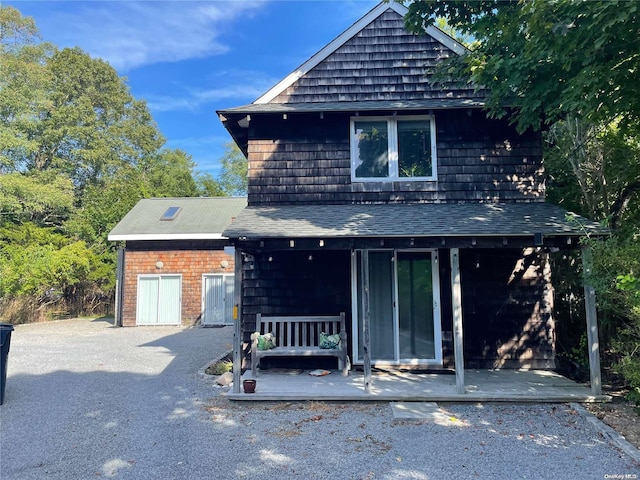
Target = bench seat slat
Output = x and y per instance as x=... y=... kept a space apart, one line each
x=299 y=352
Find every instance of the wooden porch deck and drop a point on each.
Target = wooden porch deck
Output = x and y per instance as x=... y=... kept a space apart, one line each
x=481 y=386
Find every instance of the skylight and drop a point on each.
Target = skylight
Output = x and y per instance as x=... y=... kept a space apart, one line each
x=170 y=214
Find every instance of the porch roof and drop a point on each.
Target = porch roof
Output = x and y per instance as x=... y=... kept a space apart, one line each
x=409 y=220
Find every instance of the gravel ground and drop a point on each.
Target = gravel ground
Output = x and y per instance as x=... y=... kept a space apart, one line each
x=86 y=400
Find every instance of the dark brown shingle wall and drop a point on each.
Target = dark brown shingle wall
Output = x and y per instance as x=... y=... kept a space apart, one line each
x=381 y=62
x=306 y=159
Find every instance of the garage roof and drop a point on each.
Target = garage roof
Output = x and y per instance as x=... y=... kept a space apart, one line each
x=178 y=219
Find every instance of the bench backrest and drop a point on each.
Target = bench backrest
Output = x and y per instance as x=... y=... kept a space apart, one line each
x=301 y=331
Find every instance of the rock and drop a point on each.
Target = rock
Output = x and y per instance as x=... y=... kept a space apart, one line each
x=225 y=379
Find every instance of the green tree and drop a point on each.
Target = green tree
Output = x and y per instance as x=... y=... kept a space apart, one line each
x=40 y=197
x=41 y=269
x=77 y=151
x=546 y=60
x=93 y=125
x=594 y=170
x=166 y=174
x=24 y=86
x=233 y=176
x=208 y=186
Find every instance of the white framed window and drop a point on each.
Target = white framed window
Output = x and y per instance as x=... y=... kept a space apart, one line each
x=395 y=148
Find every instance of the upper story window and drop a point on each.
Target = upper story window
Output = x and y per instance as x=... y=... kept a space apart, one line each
x=393 y=149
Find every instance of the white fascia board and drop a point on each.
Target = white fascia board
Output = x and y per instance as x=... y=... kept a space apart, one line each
x=344 y=37
x=446 y=40
x=165 y=236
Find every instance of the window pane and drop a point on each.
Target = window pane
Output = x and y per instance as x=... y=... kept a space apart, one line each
x=169 y=301
x=372 y=149
x=382 y=331
x=415 y=305
x=148 y=300
x=414 y=148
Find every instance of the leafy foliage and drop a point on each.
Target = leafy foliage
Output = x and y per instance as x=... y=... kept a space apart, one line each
x=77 y=152
x=615 y=270
x=233 y=177
x=39 y=262
x=40 y=197
x=526 y=55
x=594 y=170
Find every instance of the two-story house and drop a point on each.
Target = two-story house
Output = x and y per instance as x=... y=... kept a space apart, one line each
x=376 y=192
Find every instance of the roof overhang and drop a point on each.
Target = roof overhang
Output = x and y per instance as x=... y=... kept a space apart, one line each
x=437 y=220
x=382 y=105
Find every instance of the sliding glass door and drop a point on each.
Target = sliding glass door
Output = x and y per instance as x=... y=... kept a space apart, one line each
x=404 y=317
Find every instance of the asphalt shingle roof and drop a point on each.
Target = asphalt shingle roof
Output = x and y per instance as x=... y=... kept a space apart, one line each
x=399 y=220
x=198 y=218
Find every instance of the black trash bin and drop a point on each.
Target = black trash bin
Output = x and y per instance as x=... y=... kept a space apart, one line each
x=5 y=343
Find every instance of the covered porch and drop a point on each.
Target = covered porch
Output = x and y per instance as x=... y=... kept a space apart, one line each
x=276 y=245
x=480 y=386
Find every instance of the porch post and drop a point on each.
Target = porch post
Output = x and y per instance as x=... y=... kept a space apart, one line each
x=237 y=321
x=592 y=324
x=366 y=321
x=456 y=303
x=118 y=308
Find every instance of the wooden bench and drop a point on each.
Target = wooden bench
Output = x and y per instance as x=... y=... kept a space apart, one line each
x=299 y=337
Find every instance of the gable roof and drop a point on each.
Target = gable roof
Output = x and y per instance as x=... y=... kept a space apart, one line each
x=195 y=219
x=408 y=220
x=374 y=65
x=343 y=38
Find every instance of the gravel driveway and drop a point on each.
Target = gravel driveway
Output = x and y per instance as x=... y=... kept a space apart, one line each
x=86 y=400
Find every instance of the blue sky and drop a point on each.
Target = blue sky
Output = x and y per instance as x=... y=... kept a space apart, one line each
x=188 y=59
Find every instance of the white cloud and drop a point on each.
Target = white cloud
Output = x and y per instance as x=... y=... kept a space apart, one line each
x=240 y=86
x=135 y=33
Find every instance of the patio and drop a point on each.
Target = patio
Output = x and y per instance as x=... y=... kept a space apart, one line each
x=481 y=386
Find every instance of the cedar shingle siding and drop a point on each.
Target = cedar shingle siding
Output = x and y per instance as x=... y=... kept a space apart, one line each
x=382 y=62
x=305 y=159
x=188 y=259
